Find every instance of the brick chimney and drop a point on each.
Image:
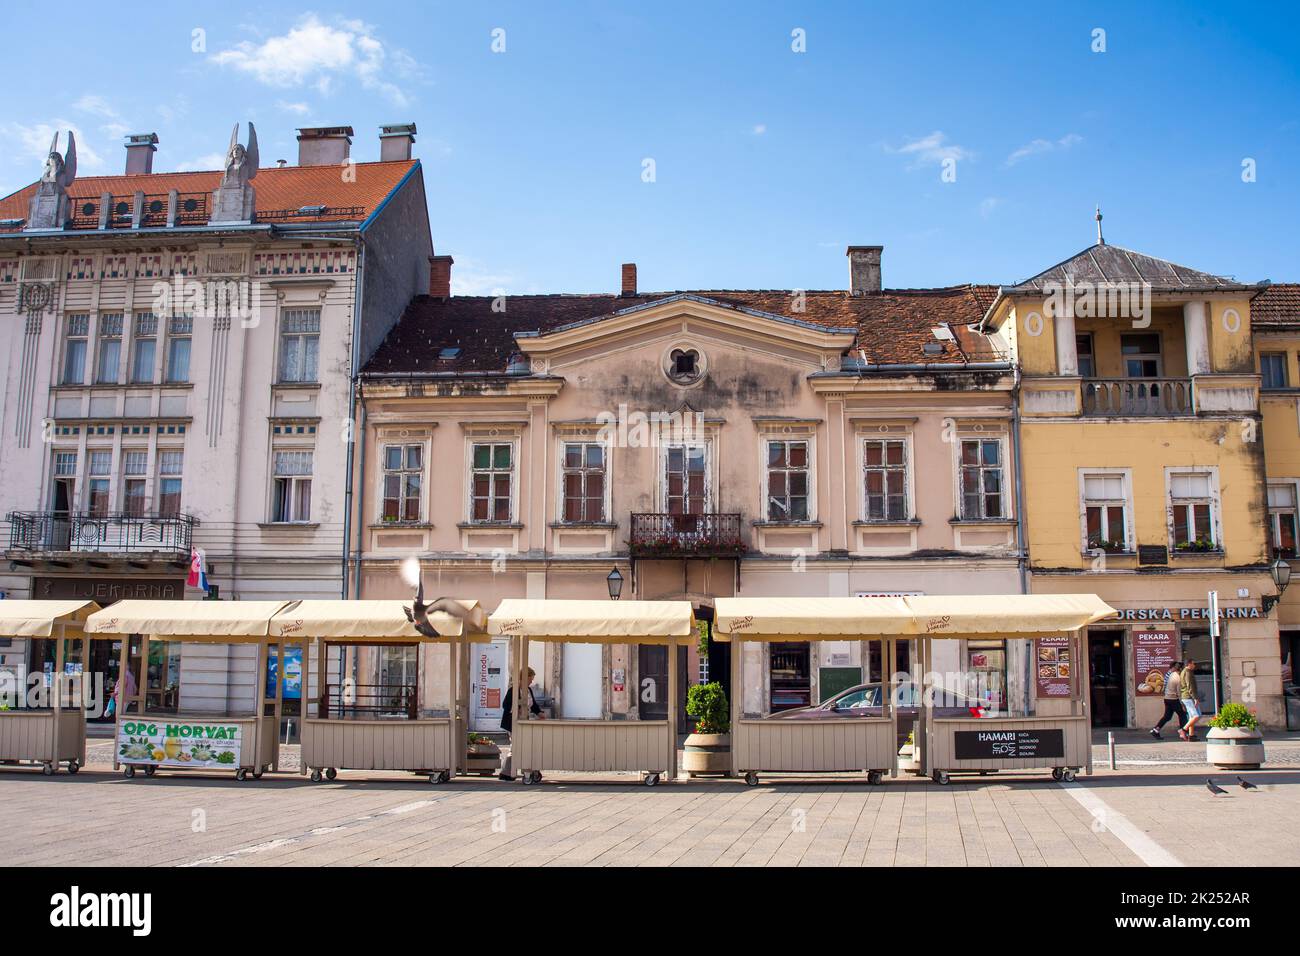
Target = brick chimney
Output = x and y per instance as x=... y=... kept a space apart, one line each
x=395 y=142
x=864 y=269
x=324 y=145
x=440 y=276
x=140 y=148
x=629 y=278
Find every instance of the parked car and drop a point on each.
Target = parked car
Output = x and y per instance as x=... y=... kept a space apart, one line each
x=864 y=700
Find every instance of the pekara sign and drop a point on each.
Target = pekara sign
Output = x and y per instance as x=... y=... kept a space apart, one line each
x=1188 y=613
x=168 y=743
x=1155 y=649
x=1053 y=667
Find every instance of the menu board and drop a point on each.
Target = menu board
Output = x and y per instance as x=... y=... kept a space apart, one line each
x=1155 y=649
x=1053 y=667
x=179 y=744
x=1008 y=744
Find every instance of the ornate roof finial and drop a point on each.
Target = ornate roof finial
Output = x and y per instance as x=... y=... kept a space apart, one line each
x=1101 y=241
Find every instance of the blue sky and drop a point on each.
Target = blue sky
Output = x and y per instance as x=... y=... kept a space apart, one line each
x=767 y=161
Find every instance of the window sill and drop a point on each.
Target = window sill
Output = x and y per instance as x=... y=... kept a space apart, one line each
x=1093 y=552
x=582 y=525
x=888 y=523
x=1214 y=553
x=385 y=525
x=268 y=525
x=983 y=522
x=786 y=524
x=489 y=526
x=104 y=386
x=312 y=386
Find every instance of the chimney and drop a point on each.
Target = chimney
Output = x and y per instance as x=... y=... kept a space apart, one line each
x=324 y=145
x=395 y=142
x=629 y=278
x=440 y=276
x=864 y=269
x=140 y=148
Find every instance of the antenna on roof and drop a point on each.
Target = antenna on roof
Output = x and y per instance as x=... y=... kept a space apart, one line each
x=1100 y=239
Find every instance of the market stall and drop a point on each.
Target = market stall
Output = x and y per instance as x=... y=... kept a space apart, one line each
x=378 y=726
x=649 y=746
x=150 y=734
x=955 y=731
x=37 y=727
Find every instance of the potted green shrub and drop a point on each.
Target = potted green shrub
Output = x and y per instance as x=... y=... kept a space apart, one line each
x=708 y=749
x=1234 y=741
x=482 y=756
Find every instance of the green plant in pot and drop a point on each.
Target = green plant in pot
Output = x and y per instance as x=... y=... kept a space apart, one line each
x=708 y=749
x=1234 y=741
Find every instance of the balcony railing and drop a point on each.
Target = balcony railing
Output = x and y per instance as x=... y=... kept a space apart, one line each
x=60 y=532
x=1137 y=397
x=677 y=536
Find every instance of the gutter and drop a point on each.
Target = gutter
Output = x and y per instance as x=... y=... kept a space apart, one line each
x=862 y=370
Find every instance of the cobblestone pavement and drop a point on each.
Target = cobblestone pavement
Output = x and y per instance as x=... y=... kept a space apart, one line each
x=1151 y=811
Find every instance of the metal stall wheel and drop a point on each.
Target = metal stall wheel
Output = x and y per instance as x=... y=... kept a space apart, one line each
x=331 y=773
x=751 y=779
x=73 y=766
x=317 y=776
x=47 y=768
x=1058 y=773
x=652 y=780
x=150 y=770
x=440 y=776
x=941 y=777
x=241 y=774
x=128 y=771
x=1068 y=776
x=875 y=777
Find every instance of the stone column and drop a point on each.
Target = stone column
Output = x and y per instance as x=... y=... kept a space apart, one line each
x=1067 y=347
x=1196 y=333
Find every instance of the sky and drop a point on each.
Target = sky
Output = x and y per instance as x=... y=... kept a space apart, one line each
x=723 y=145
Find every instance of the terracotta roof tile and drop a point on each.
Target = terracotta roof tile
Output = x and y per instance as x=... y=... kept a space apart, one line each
x=892 y=326
x=1277 y=307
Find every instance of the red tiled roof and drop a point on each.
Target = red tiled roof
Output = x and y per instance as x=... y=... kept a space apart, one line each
x=1277 y=307
x=278 y=188
x=892 y=326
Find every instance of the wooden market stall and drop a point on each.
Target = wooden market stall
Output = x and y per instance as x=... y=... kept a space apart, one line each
x=378 y=726
x=48 y=735
x=1054 y=734
x=649 y=746
x=196 y=741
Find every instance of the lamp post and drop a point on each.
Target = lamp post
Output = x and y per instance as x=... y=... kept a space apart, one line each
x=615 y=582
x=1280 y=571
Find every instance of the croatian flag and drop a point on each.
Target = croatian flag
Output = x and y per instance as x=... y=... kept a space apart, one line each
x=198 y=577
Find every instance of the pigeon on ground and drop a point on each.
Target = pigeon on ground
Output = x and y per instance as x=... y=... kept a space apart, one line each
x=1246 y=784
x=418 y=613
x=1209 y=785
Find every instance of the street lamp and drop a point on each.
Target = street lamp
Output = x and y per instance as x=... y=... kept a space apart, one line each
x=1280 y=571
x=615 y=582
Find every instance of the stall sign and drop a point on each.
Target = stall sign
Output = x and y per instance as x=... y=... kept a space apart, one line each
x=292 y=673
x=1053 y=667
x=1008 y=744
x=1155 y=649
x=173 y=743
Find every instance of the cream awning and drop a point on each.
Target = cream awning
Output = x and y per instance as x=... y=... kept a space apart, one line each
x=594 y=622
x=370 y=620
x=949 y=615
x=23 y=618
x=235 y=622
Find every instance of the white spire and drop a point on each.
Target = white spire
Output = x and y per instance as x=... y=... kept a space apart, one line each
x=1100 y=239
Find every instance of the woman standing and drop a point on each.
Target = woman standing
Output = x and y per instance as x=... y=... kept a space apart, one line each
x=1190 y=701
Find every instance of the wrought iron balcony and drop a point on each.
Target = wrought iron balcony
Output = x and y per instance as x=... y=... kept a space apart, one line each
x=62 y=532
x=1137 y=397
x=656 y=535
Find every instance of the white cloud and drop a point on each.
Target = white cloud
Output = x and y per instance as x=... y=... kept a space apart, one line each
x=933 y=150
x=96 y=105
x=298 y=109
x=33 y=145
x=760 y=129
x=205 y=162
x=470 y=278
x=1037 y=147
x=989 y=205
x=320 y=56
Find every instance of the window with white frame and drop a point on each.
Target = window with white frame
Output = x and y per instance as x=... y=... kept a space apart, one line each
x=884 y=479
x=291 y=491
x=135 y=468
x=583 y=482
x=144 y=348
x=492 y=473
x=110 y=349
x=1105 y=504
x=299 y=345
x=99 y=467
x=65 y=464
x=171 y=462
x=982 y=474
x=787 y=480
x=75 y=343
x=403 y=476
x=686 y=479
x=1282 y=518
x=1191 y=502
x=180 y=331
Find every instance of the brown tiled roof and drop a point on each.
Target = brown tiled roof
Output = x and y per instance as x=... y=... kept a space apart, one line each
x=1277 y=307
x=1104 y=263
x=278 y=188
x=892 y=326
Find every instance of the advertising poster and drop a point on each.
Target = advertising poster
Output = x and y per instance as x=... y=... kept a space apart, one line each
x=179 y=743
x=292 y=674
x=1053 y=667
x=1155 y=649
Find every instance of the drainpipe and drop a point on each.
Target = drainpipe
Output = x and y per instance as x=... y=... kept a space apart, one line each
x=361 y=480
x=1022 y=556
x=358 y=299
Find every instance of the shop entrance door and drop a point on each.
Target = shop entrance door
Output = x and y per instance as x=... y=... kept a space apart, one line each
x=487 y=685
x=1106 y=676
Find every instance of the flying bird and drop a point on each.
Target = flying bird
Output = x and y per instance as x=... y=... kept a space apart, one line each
x=1246 y=784
x=418 y=612
x=1210 y=786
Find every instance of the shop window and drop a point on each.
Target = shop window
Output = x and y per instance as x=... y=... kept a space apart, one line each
x=986 y=677
x=110 y=349
x=144 y=348
x=492 y=482
x=1106 y=512
x=884 y=479
x=787 y=481
x=1272 y=370
x=403 y=477
x=583 y=481
x=981 y=479
x=163 y=679
x=1192 y=506
x=1282 y=519
x=299 y=345
x=291 y=494
x=76 y=337
x=170 y=465
x=1141 y=353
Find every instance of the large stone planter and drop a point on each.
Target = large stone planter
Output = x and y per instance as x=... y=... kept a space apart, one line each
x=707 y=754
x=1234 y=748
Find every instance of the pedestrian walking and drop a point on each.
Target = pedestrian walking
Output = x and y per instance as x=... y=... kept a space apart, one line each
x=1173 y=703
x=1190 y=700
x=508 y=720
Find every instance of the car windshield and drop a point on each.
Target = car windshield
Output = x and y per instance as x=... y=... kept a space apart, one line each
x=856 y=698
